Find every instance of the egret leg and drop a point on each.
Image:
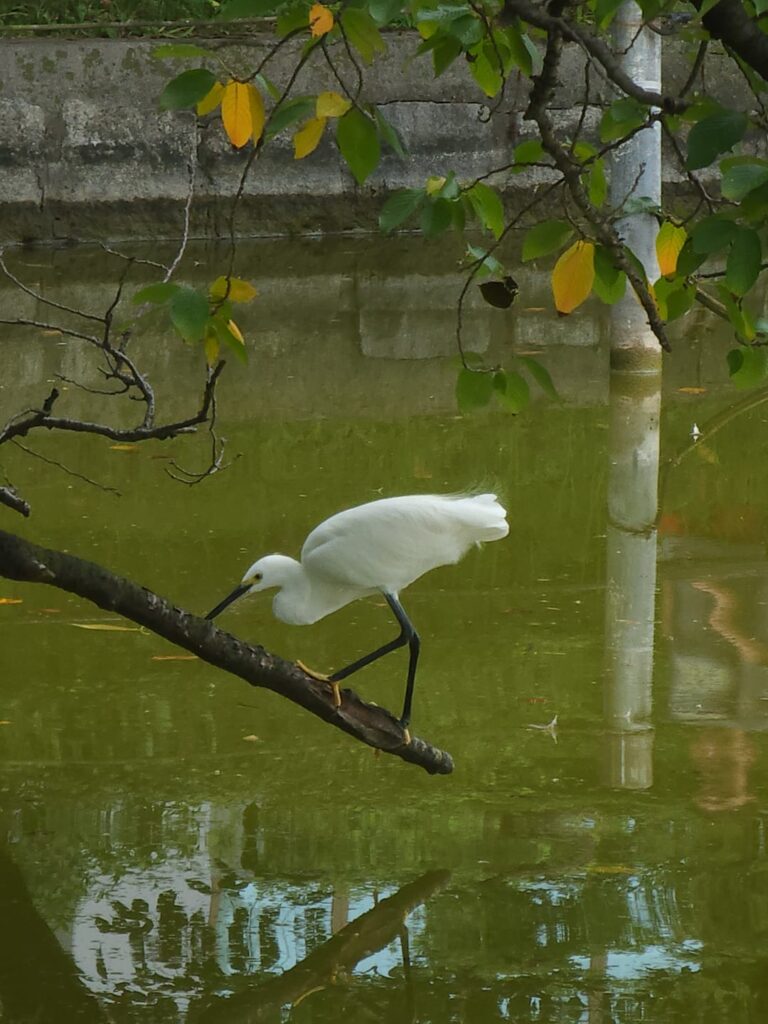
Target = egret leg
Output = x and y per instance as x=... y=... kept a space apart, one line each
x=407 y=635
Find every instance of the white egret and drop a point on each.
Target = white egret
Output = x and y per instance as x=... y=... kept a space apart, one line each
x=382 y=546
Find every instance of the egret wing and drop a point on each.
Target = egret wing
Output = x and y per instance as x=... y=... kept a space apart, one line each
x=388 y=544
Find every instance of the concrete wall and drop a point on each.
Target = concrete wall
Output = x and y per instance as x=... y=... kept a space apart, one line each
x=85 y=153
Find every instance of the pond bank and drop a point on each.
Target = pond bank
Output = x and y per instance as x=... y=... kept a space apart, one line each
x=86 y=154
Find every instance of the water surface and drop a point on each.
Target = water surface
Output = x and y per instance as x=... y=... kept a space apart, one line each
x=177 y=846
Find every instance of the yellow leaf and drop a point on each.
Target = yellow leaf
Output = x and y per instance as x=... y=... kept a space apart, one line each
x=331 y=104
x=106 y=627
x=573 y=275
x=123 y=447
x=307 y=137
x=234 y=330
x=211 y=100
x=610 y=869
x=669 y=241
x=5 y=721
x=692 y=391
x=258 y=116
x=434 y=184
x=236 y=113
x=253 y=738
x=320 y=20
x=238 y=291
x=174 y=657
x=11 y=600
x=211 y=347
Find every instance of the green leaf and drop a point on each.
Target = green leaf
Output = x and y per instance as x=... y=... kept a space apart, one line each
x=177 y=51
x=485 y=70
x=610 y=283
x=487 y=204
x=674 y=297
x=605 y=11
x=743 y=265
x=741 y=179
x=444 y=53
x=385 y=11
x=362 y=32
x=712 y=235
x=249 y=8
x=714 y=135
x=157 y=293
x=473 y=389
x=389 y=134
x=622 y=117
x=739 y=318
x=748 y=367
x=512 y=390
x=468 y=29
x=288 y=113
x=489 y=265
x=597 y=186
x=521 y=54
x=541 y=375
x=544 y=238
x=189 y=313
x=359 y=143
x=529 y=152
x=399 y=208
x=187 y=89
x=436 y=216
x=689 y=260
x=289 y=19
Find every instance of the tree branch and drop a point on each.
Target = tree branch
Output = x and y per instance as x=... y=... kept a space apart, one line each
x=375 y=726
x=729 y=22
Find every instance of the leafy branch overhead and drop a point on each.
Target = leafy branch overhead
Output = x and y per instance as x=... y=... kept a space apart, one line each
x=496 y=41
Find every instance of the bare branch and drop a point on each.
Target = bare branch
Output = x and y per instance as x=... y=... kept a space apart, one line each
x=65 y=469
x=41 y=298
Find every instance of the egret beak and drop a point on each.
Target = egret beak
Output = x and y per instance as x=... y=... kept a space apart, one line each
x=237 y=592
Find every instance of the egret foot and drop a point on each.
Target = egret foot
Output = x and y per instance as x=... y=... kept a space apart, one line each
x=406 y=737
x=321 y=678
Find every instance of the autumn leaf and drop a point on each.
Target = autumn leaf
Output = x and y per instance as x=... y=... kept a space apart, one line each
x=234 y=330
x=236 y=113
x=11 y=600
x=106 y=627
x=238 y=290
x=211 y=347
x=320 y=20
x=669 y=241
x=123 y=447
x=211 y=100
x=174 y=657
x=573 y=275
x=258 y=115
x=331 y=104
x=306 y=139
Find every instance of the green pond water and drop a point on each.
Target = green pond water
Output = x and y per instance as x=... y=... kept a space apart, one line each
x=177 y=846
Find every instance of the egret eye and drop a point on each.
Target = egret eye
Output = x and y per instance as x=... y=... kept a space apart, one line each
x=257 y=577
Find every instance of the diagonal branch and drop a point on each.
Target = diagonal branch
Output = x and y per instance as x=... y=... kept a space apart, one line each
x=22 y=560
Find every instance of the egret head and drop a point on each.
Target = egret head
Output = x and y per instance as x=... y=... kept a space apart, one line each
x=269 y=571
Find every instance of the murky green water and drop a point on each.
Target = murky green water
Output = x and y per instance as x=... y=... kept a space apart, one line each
x=177 y=846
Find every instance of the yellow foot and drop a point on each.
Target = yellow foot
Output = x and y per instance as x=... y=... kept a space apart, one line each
x=311 y=672
x=323 y=679
x=406 y=738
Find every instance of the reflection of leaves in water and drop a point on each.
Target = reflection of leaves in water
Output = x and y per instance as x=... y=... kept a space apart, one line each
x=199 y=886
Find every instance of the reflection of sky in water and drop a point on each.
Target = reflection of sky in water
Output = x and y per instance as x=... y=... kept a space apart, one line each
x=625 y=965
